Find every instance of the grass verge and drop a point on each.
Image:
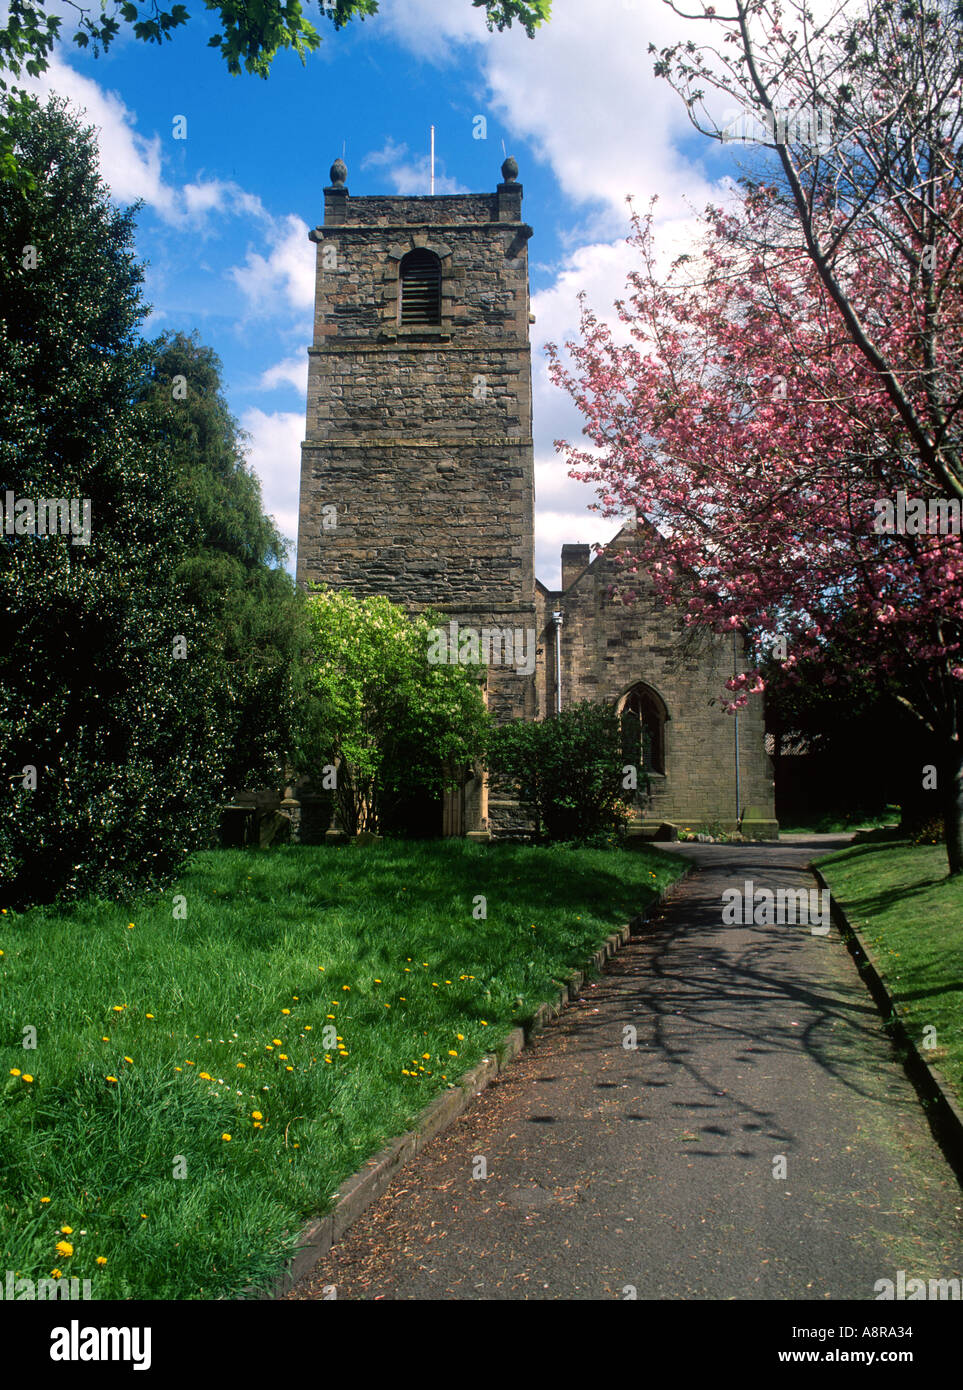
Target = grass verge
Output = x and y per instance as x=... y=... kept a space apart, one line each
x=911 y=916
x=210 y=1063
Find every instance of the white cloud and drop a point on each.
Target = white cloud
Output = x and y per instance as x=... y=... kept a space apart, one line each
x=446 y=23
x=130 y=163
x=274 y=452
x=284 y=278
x=293 y=370
x=410 y=174
x=218 y=195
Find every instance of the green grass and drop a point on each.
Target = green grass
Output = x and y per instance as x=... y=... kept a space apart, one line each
x=911 y=916
x=382 y=937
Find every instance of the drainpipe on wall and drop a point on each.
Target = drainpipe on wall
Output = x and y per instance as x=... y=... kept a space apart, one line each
x=558 y=619
x=735 y=672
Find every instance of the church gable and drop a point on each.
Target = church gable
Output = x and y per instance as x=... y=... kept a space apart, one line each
x=667 y=681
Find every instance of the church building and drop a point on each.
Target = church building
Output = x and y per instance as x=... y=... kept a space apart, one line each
x=417 y=482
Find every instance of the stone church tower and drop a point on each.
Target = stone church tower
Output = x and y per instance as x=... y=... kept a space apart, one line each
x=417 y=482
x=417 y=472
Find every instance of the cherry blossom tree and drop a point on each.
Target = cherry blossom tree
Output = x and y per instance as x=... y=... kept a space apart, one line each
x=854 y=110
x=779 y=491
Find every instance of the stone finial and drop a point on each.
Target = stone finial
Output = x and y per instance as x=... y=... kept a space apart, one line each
x=339 y=172
x=510 y=170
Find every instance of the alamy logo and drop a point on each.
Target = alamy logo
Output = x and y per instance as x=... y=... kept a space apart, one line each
x=805 y=127
x=916 y=516
x=493 y=646
x=768 y=907
x=47 y=516
x=27 y=1290
x=76 y=1343
x=913 y=1289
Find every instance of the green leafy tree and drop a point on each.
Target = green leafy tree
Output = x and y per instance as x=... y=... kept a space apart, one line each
x=112 y=754
x=231 y=574
x=566 y=771
x=395 y=725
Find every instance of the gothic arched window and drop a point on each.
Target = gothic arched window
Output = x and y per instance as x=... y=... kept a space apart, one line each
x=642 y=717
x=420 y=273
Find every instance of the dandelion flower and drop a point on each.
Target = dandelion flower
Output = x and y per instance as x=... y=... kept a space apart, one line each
x=15 y=1071
x=64 y=1247
x=27 y=1077
x=111 y=1078
x=226 y=1138
x=45 y=1199
x=66 y=1230
x=130 y=1060
x=276 y=1042
x=56 y=1274
x=101 y=1259
x=256 y=1115
x=204 y=1075
x=285 y=1011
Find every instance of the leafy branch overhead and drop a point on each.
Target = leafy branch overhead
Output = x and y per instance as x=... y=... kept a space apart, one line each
x=251 y=35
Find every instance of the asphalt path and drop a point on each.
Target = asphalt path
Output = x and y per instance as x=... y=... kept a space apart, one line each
x=655 y=1171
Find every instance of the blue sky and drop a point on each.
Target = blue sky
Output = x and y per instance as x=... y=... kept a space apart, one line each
x=227 y=210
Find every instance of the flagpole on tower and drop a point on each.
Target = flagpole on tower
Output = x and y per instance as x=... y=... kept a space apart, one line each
x=432 y=161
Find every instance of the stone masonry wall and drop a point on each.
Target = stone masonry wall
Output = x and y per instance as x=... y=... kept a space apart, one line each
x=418 y=439
x=608 y=646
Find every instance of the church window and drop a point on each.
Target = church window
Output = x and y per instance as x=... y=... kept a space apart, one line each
x=642 y=718
x=420 y=288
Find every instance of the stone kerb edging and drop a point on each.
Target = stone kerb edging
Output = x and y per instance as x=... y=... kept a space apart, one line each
x=365 y=1186
x=929 y=1078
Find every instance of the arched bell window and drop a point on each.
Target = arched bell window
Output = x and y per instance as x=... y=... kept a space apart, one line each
x=642 y=717
x=420 y=273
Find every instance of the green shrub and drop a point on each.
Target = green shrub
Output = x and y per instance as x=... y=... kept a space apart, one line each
x=399 y=729
x=566 y=772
